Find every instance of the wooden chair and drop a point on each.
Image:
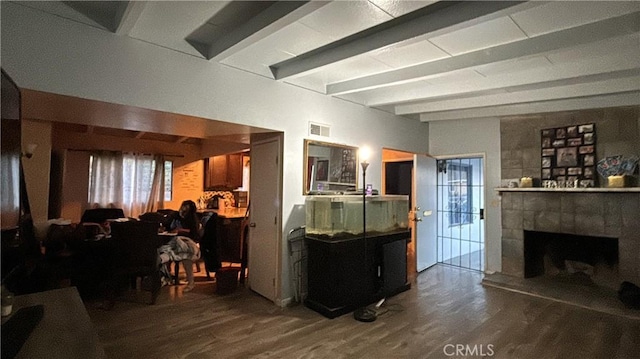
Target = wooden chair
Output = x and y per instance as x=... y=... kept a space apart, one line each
x=100 y=215
x=232 y=242
x=136 y=266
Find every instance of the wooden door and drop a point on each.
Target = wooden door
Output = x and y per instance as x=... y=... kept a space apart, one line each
x=265 y=230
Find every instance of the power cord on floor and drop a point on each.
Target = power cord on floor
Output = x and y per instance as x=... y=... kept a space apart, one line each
x=372 y=312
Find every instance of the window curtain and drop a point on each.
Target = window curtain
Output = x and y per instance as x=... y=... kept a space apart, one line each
x=156 y=198
x=129 y=181
x=105 y=180
x=142 y=176
x=10 y=189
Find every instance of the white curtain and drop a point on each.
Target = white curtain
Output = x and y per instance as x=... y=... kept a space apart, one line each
x=105 y=180
x=140 y=193
x=134 y=182
x=10 y=189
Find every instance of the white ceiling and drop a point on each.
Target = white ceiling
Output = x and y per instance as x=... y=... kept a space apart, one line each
x=421 y=59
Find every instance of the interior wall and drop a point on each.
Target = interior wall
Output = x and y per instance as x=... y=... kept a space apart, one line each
x=37 y=168
x=616 y=133
x=71 y=59
x=75 y=184
x=188 y=183
x=462 y=137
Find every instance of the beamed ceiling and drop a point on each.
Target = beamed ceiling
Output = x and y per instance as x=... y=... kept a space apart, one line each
x=428 y=60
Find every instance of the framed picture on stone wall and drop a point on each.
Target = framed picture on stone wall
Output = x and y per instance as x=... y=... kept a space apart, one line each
x=568 y=153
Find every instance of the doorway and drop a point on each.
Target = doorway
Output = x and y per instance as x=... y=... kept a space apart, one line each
x=414 y=175
x=460 y=214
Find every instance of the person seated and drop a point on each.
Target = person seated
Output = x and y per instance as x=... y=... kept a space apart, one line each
x=185 y=221
x=182 y=248
x=179 y=249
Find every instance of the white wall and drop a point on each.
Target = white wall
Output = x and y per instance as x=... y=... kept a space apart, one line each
x=50 y=54
x=461 y=137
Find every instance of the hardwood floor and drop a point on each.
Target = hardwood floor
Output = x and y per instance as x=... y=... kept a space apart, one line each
x=445 y=305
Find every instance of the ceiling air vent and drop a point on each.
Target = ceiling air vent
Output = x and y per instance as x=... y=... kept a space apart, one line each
x=319 y=130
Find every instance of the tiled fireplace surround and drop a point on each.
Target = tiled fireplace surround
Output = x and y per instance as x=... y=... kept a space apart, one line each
x=614 y=215
x=604 y=214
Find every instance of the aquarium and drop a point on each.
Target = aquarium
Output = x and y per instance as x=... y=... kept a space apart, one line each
x=342 y=216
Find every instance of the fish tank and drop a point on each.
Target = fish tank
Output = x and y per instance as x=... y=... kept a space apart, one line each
x=337 y=217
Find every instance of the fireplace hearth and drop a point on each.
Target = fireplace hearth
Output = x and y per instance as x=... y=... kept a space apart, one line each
x=596 y=246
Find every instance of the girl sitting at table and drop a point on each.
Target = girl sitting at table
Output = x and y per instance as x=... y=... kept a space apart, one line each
x=183 y=247
x=185 y=222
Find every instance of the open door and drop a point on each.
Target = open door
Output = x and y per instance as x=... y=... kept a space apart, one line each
x=265 y=218
x=424 y=212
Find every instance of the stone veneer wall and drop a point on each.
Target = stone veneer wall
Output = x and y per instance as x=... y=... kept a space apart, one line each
x=617 y=133
x=615 y=215
x=597 y=214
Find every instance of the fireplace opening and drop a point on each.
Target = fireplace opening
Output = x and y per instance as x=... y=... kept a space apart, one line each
x=585 y=258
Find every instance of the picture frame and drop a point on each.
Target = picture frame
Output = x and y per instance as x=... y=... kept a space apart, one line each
x=589 y=160
x=588 y=138
x=586 y=149
x=569 y=153
x=586 y=128
x=574 y=142
x=567 y=157
x=322 y=172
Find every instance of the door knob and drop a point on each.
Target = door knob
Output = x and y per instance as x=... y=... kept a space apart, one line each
x=252 y=224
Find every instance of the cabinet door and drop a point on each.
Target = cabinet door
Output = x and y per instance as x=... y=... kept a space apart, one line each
x=234 y=170
x=215 y=172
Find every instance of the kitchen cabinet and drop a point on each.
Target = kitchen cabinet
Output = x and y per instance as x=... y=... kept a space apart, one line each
x=223 y=172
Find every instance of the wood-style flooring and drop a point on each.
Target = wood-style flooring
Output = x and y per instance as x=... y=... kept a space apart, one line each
x=446 y=305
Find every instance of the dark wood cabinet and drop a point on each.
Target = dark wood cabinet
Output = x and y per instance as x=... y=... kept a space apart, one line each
x=347 y=274
x=223 y=172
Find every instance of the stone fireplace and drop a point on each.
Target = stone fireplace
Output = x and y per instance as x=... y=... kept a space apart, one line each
x=593 y=212
x=604 y=222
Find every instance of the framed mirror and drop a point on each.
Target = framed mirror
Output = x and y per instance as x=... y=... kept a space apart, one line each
x=329 y=167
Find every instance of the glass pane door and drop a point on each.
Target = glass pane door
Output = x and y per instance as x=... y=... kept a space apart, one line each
x=460 y=212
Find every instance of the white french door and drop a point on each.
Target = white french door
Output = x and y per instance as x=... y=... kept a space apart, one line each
x=461 y=212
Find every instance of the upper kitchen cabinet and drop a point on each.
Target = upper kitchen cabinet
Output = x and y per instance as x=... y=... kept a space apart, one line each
x=223 y=172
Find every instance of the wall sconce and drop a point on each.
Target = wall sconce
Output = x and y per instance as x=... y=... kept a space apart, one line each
x=29 y=150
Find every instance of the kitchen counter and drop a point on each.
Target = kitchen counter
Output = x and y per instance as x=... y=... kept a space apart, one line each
x=232 y=212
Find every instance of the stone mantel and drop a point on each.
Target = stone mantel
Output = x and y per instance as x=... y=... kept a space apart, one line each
x=578 y=190
x=612 y=214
